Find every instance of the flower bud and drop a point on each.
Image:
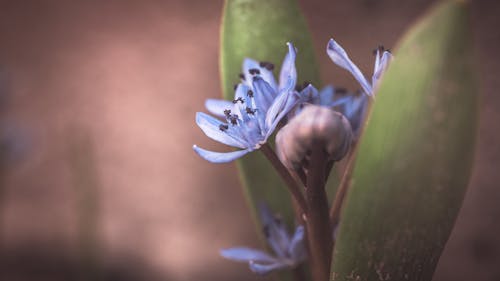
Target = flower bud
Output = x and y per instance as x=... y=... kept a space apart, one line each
x=314 y=125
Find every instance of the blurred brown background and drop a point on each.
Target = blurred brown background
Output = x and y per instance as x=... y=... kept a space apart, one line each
x=98 y=179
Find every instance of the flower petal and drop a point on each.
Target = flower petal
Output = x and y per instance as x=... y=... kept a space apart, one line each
x=355 y=111
x=381 y=68
x=297 y=248
x=310 y=94
x=266 y=74
x=288 y=73
x=245 y=254
x=292 y=100
x=211 y=127
x=340 y=57
x=275 y=108
x=264 y=95
x=217 y=106
x=377 y=61
x=220 y=157
x=326 y=95
x=342 y=101
x=242 y=101
x=274 y=231
x=263 y=269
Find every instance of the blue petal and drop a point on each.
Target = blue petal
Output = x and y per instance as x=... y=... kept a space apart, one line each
x=353 y=106
x=267 y=75
x=264 y=95
x=245 y=254
x=220 y=157
x=263 y=269
x=217 y=106
x=380 y=68
x=292 y=100
x=275 y=231
x=326 y=95
x=297 y=247
x=210 y=126
x=241 y=93
x=275 y=108
x=340 y=57
x=377 y=61
x=310 y=94
x=355 y=112
x=342 y=101
x=288 y=73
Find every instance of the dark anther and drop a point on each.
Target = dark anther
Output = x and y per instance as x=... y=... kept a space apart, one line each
x=233 y=119
x=250 y=111
x=235 y=86
x=223 y=127
x=266 y=231
x=267 y=65
x=227 y=112
x=305 y=84
x=250 y=93
x=380 y=48
x=388 y=50
x=340 y=90
x=239 y=99
x=242 y=76
x=253 y=71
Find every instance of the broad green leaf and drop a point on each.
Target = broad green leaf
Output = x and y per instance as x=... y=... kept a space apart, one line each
x=259 y=29
x=415 y=157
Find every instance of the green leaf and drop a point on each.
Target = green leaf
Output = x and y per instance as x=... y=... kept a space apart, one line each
x=415 y=157
x=259 y=29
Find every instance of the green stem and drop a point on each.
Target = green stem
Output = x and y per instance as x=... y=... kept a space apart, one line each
x=319 y=232
x=293 y=187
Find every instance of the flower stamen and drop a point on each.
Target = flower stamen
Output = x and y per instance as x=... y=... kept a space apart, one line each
x=233 y=119
x=239 y=99
x=250 y=111
x=254 y=71
x=267 y=65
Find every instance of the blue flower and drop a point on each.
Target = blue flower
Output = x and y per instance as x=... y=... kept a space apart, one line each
x=340 y=58
x=352 y=105
x=258 y=106
x=289 y=251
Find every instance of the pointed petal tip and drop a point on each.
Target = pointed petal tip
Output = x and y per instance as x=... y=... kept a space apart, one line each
x=263 y=269
x=220 y=157
x=244 y=254
x=331 y=43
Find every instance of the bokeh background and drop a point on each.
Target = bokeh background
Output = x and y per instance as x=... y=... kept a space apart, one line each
x=97 y=101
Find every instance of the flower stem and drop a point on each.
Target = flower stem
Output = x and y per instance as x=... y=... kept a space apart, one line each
x=319 y=232
x=293 y=187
